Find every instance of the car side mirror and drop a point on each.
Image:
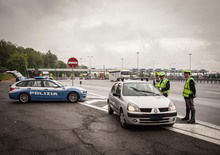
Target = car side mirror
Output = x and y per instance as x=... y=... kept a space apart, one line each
x=115 y=94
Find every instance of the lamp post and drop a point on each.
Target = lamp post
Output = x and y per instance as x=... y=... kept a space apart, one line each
x=90 y=66
x=190 y=54
x=122 y=63
x=137 y=61
x=81 y=59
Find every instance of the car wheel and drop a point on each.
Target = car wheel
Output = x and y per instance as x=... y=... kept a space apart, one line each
x=24 y=98
x=110 y=110
x=73 y=97
x=122 y=120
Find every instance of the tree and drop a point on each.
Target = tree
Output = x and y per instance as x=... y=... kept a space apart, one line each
x=60 y=64
x=18 y=62
x=6 y=50
x=34 y=58
x=50 y=60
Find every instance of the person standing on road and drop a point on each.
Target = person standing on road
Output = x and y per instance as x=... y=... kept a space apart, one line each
x=189 y=93
x=156 y=81
x=164 y=84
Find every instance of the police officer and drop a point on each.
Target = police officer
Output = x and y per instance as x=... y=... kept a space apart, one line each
x=164 y=84
x=156 y=81
x=189 y=93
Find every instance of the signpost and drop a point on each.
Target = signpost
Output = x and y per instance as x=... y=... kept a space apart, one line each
x=72 y=62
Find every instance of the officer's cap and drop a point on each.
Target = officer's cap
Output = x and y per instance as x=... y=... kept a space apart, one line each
x=187 y=71
x=156 y=73
x=162 y=74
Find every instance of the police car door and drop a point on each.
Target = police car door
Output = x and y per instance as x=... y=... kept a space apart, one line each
x=36 y=89
x=53 y=90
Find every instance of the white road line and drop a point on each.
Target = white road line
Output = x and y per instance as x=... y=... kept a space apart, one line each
x=93 y=101
x=209 y=132
x=105 y=107
x=92 y=106
x=194 y=135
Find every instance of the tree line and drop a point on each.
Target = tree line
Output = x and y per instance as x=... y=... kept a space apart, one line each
x=13 y=57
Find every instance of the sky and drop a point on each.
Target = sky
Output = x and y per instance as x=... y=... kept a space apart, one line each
x=111 y=32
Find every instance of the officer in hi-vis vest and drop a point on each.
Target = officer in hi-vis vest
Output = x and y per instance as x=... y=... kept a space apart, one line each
x=189 y=93
x=164 y=84
x=156 y=81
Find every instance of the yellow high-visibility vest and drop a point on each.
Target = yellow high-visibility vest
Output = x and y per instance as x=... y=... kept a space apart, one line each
x=187 y=91
x=163 y=85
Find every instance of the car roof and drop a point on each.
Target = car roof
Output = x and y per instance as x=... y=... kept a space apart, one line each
x=133 y=81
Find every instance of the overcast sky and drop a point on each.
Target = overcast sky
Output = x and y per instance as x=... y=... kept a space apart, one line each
x=163 y=31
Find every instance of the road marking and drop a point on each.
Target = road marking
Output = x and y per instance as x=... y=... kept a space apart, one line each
x=95 y=107
x=93 y=101
x=202 y=130
x=195 y=135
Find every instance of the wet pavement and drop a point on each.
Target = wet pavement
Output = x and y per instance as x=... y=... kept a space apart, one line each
x=65 y=128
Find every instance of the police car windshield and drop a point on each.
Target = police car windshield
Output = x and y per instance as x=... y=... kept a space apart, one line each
x=139 y=89
x=58 y=83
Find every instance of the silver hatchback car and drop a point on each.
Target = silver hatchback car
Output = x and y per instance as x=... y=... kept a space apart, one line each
x=140 y=103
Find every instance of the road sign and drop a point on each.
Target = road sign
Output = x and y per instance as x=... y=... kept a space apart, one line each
x=72 y=62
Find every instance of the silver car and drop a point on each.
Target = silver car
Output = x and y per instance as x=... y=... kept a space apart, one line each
x=140 y=103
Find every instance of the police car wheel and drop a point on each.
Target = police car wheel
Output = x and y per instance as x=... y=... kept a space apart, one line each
x=122 y=120
x=73 y=97
x=24 y=98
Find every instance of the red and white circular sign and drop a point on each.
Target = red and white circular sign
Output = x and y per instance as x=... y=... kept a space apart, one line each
x=72 y=62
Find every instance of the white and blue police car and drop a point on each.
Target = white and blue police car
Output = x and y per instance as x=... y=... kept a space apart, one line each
x=41 y=89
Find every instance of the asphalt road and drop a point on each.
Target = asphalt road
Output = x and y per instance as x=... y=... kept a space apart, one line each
x=64 y=128
x=207 y=102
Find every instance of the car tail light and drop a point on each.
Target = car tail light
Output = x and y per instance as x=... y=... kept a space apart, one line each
x=11 y=89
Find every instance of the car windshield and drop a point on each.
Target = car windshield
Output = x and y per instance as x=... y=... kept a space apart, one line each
x=140 y=89
x=58 y=83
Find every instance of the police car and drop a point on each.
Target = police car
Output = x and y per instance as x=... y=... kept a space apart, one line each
x=140 y=103
x=41 y=89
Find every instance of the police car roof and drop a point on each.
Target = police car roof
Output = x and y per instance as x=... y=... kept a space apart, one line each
x=30 y=79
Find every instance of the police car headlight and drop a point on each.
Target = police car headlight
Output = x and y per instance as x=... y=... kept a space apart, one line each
x=83 y=91
x=172 y=107
x=133 y=108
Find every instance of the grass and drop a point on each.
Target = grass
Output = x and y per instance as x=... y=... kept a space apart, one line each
x=6 y=76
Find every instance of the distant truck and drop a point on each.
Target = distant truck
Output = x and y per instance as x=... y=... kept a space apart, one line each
x=119 y=74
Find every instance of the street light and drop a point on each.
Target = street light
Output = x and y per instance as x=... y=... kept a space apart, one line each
x=90 y=61
x=137 y=61
x=81 y=61
x=190 y=54
x=122 y=63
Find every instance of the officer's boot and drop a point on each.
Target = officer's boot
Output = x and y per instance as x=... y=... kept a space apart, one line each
x=193 y=120
x=187 y=115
